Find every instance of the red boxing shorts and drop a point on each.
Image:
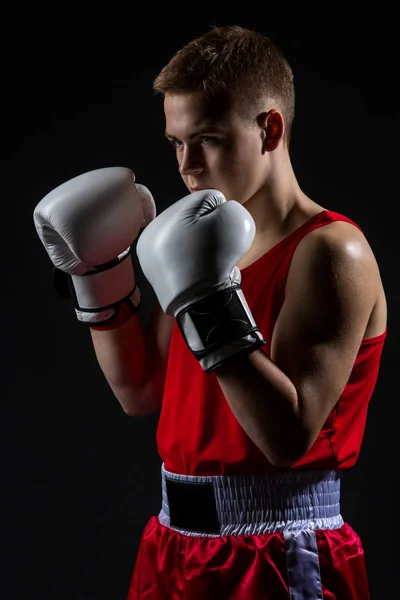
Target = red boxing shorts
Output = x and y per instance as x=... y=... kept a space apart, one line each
x=251 y=537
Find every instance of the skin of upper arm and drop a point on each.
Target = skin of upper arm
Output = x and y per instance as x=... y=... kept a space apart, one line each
x=331 y=289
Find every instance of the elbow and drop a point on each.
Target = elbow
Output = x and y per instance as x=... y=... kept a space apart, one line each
x=282 y=462
x=286 y=452
x=142 y=411
x=130 y=411
x=140 y=407
x=135 y=403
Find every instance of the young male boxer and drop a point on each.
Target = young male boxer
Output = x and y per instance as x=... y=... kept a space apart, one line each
x=263 y=350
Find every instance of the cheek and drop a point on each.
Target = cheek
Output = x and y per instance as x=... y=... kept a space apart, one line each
x=245 y=151
x=178 y=156
x=242 y=161
x=240 y=171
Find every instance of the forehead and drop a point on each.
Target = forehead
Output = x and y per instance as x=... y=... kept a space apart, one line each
x=187 y=113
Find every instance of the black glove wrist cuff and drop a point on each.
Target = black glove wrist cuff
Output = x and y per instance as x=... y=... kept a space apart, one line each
x=217 y=320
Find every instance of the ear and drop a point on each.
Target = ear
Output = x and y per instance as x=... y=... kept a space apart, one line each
x=273 y=128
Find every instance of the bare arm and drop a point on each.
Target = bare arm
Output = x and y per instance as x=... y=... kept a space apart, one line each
x=134 y=358
x=283 y=401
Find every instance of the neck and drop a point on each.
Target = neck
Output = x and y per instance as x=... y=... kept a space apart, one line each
x=272 y=206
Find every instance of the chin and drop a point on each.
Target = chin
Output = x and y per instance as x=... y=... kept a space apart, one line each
x=231 y=195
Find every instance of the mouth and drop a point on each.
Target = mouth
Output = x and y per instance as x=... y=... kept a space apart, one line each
x=196 y=188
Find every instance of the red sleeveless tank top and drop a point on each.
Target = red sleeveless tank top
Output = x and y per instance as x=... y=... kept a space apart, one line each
x=198 y=433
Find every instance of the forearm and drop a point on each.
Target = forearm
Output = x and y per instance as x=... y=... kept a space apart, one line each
x=265 y=403
x=121 y=354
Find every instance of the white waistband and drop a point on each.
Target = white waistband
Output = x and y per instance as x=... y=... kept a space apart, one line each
x=255 y=504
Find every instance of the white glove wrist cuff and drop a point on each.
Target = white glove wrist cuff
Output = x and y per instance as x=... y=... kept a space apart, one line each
x=97 y=295
x=104 y=288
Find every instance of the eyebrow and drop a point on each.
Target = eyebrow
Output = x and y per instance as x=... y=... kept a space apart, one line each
x=201 y=131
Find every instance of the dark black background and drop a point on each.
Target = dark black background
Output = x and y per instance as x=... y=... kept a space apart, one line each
x=79 y=478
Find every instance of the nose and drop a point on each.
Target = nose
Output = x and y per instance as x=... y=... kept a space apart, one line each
x=190 y=162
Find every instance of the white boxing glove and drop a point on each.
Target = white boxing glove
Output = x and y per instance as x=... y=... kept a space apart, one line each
x=189 y=254
x=87 y=226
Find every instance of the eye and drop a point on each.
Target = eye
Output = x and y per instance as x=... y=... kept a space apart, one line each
x=174 y=143
x=205 y=139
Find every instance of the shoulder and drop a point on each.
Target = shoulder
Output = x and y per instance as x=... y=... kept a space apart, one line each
x=340 y=243
x=338 y=255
